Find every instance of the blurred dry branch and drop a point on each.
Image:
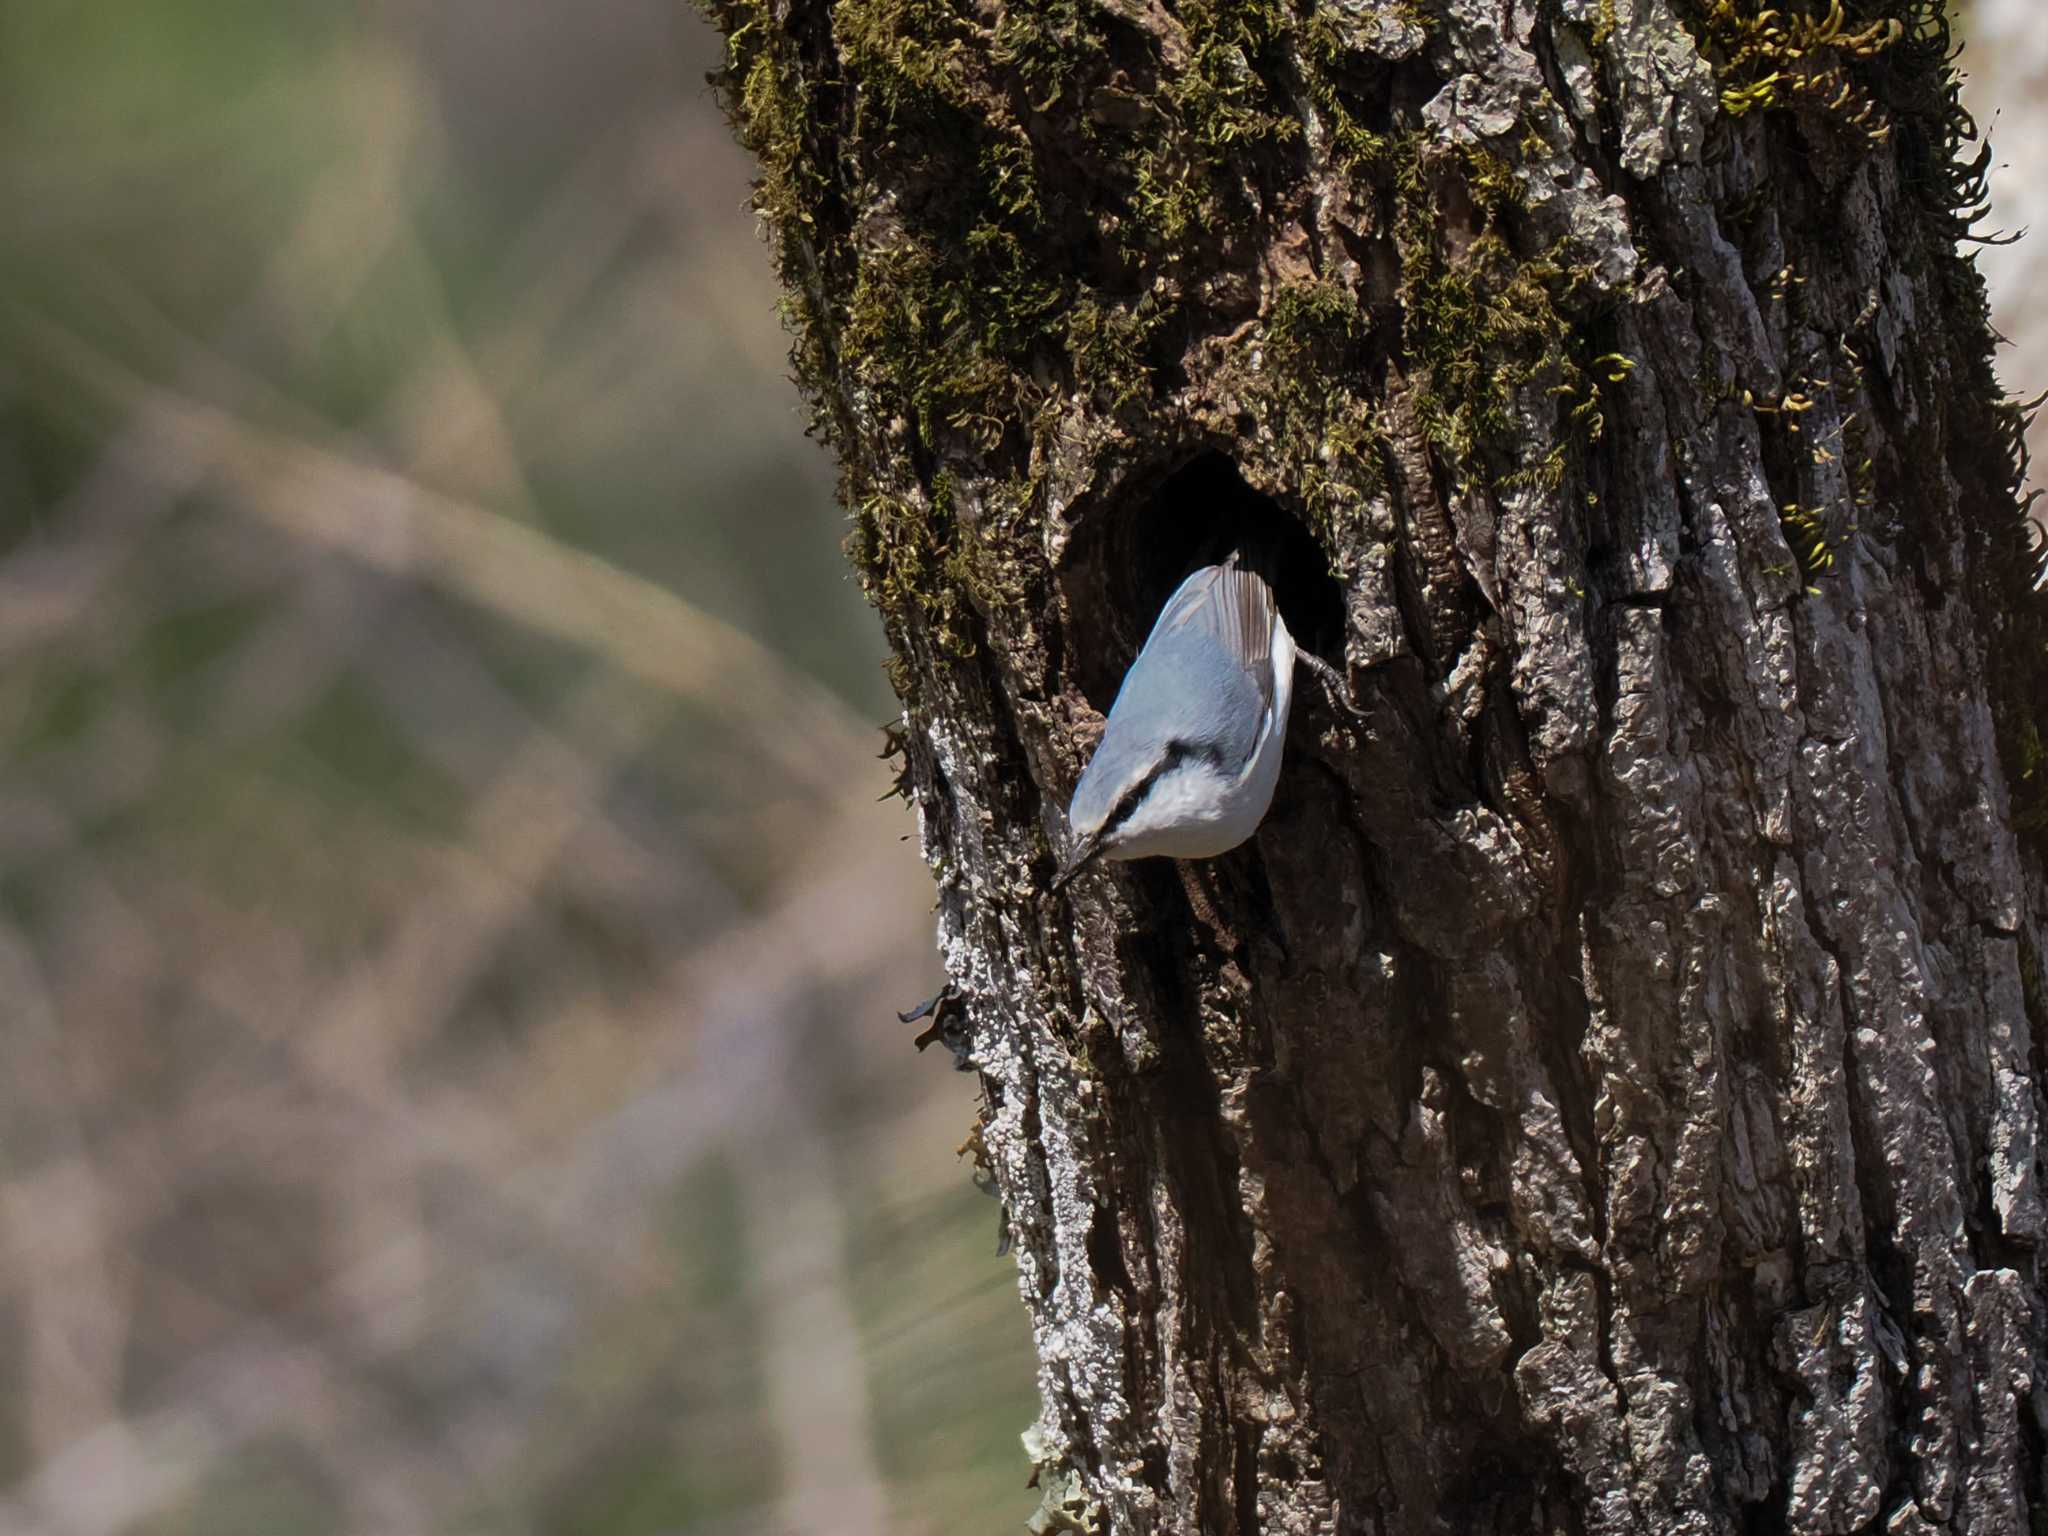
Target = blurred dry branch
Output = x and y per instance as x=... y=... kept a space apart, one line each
x=2006 y=60
x=398 y=525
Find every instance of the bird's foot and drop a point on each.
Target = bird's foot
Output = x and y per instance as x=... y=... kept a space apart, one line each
x=1334 y=681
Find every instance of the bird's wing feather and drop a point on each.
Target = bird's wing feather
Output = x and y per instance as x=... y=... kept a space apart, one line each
x=1213 y=646
x=1236 y=608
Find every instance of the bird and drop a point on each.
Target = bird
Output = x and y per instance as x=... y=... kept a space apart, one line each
x=1191 y=751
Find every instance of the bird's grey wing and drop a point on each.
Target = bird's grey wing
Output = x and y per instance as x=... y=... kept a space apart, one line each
x=1236 y=607
x=1207 y=668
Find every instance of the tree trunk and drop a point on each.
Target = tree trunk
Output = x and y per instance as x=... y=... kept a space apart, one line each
x=1606 y=1095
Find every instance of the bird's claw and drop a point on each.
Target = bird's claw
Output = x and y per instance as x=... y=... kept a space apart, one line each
x=1332 y=679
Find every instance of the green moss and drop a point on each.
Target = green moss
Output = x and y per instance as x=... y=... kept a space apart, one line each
x=1313 y=323
x=1014 y=299
x=916 y=555
x=905 y=53
x=1107 y=347
x=1219 y=94
x=769 y=103
x=1048 y=46
x=1769 y=57
x=1480 y=324
x=1009 y=176
x=1220 y=111
x=1168 y=198
x=1603 y=28
x=902 y=547
x=1325 y=51
x=1817 y=534
x=1490 y=181
x=1814 y=539
x=1317 y=376
x=913 y=338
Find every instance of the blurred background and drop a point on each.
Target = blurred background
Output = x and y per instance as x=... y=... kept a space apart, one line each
x=448 y=933
x=449 y=939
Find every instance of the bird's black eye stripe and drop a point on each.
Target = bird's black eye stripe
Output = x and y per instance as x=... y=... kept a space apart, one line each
x=1127 y=806
x=1177 y=752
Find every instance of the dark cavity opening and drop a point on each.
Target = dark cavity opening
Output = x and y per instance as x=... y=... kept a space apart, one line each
x=1196 y=516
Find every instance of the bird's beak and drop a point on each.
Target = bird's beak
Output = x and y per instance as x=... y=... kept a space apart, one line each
x=1078 y=858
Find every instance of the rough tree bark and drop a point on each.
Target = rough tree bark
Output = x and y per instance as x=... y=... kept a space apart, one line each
x=1606 y=1095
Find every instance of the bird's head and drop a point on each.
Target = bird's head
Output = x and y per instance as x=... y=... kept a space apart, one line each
x=1108 y=795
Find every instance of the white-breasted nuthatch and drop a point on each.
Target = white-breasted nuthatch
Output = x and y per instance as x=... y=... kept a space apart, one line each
x=1191 y=751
